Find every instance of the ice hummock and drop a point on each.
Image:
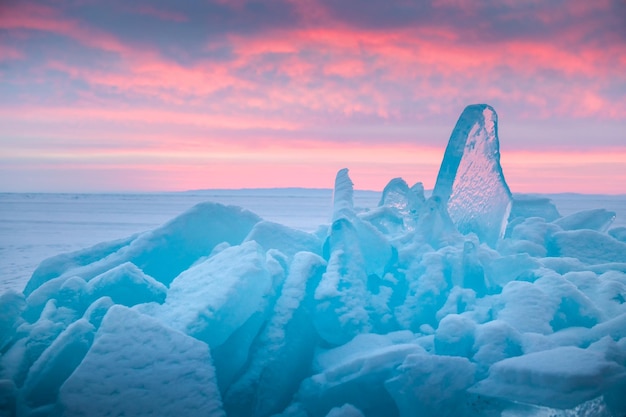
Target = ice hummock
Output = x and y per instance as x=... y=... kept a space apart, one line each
x=390 y=311
x=470 y=181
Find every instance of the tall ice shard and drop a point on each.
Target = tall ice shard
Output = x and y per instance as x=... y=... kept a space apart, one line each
x=343 y=195
x=470 y=179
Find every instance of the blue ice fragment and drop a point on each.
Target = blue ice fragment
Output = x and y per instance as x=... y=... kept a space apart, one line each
x=470 y=179
x=395 y=194
x=528 y=205
x=596 y=219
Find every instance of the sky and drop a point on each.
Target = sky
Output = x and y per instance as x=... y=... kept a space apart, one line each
x=119 y=96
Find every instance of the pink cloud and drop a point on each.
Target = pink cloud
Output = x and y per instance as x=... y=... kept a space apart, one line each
x=155 y=117
x=218 y=118
x=406 y=58
x=8 y=53
x=33 y=16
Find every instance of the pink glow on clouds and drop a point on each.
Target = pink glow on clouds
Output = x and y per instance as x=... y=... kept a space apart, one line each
x=395 y=56
x=252 y=117
x=145 y=116
x=313 y=164
x=8 y=53
x=32 y=16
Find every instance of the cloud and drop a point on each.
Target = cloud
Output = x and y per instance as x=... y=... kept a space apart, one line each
x=289 y=72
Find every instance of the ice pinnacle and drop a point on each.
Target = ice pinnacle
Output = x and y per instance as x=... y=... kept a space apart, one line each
x=343 y=195
x=470 y=179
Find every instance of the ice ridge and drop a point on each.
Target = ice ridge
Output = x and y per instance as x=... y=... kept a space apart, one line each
x=396 y=314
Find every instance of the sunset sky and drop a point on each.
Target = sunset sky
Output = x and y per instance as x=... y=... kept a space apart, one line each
x=174 y=95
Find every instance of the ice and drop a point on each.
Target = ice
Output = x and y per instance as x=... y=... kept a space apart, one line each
x=416 y=198
x=162 y=253
x=400 y=307
x=432 y=386
x=526 y=307
x=525 y=205
x=139 y=367
x=470 y=180
x=358 y=379
x=360 y=346
x=434 y=226
x=494 y=341
x=455 y=336
x=97 y=310
x=531 y=236
x=127 y=285
x=618 y=233
x=342 y=296
x=346 y=410
x=559 y=378
x=57 y=265
x=343 y=195
x=212 y=299
x=575 y=309
x=588 y=246
x=507 y=268
x=38 y=299
x=427 y=286
x=57 y=363
x=31 y=340
x=396 y=195
x=287 y=342
x=399 y=208
x=598 y=219
x=386 y=220
x=8 y=394
x=288 y=241
x=12 y=305
x=473 y=270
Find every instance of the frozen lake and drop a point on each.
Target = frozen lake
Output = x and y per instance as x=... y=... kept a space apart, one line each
x=34 y=227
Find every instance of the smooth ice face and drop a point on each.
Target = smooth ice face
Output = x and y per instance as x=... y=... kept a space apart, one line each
x=395 y=195
x=470 y=179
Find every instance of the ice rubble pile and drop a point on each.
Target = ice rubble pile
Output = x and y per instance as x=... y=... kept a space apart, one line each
x=468 y=303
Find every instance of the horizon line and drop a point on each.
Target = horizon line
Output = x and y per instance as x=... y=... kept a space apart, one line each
x=206 y=190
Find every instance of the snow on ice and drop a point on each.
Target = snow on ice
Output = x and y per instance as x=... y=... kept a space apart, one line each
x=468 y=303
